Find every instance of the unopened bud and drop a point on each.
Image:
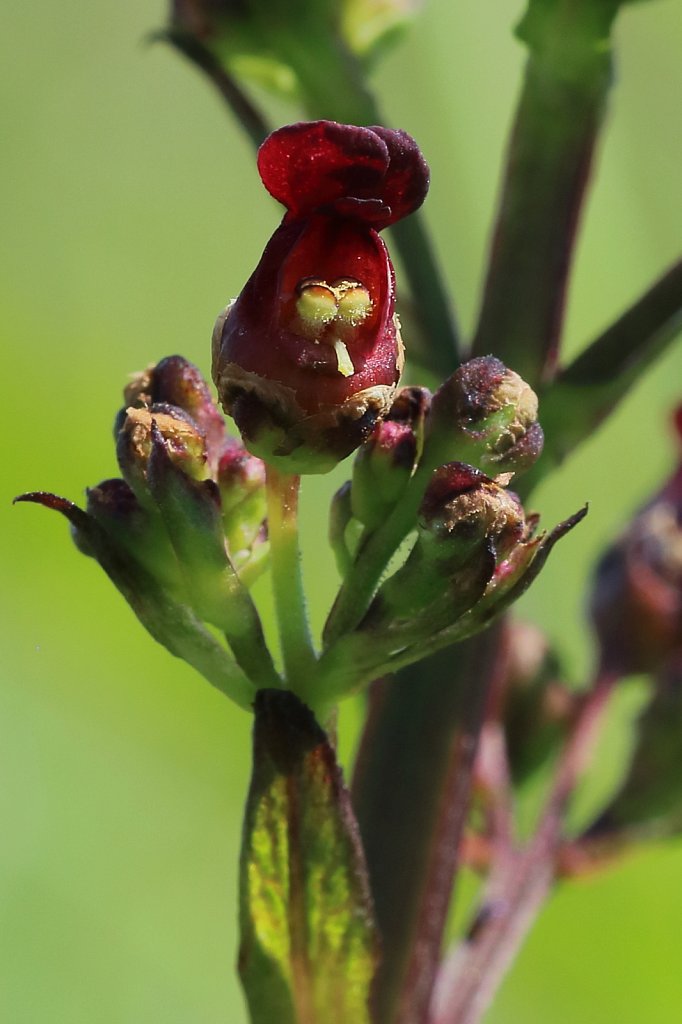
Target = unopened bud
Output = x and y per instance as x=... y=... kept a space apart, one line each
x=650 y=797
x=344 y=530
x=538 y=708
x=466 y=524
x=176 y=382
x=411 y=405
x=461 y=507
x=184 y=443
x=381 y=471
x=636 y=605
x=485 y=414
x=241 y=480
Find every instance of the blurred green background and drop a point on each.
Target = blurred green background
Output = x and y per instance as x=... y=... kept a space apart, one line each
x=131 y=212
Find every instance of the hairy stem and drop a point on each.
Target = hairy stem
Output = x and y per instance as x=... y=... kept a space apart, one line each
x=294 y=631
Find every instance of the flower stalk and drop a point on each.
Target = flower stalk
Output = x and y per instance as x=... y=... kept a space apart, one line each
x=287 y=584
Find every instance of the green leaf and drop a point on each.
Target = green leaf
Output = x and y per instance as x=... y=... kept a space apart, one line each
x=308 y=943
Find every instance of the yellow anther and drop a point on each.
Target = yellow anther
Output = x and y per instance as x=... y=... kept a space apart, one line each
x=316 y=306
x=355 y=304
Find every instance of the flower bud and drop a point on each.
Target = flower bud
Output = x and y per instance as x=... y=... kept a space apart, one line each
x=461 y=507
x=248 y=37
x=344 y=530
x=381 y=471
x=177 y=382
x=649 y=801
x=411 y=406
x=308 y=357
x=184 y=443
x=466 y=524
x=241 y=480
x=636 y=605
x=486 y=415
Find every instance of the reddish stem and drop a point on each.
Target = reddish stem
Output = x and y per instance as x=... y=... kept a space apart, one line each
x=518 y=886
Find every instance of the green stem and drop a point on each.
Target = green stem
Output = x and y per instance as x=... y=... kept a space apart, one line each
x=548 y=166
x=373 y=555
x=587 y=391
x=294 y=632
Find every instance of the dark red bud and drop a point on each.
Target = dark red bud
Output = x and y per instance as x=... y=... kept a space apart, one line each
x=411 y=405
x=184 y=442
x=382 y=470
x=464 y=504
x=486 y=414
x=174 y=381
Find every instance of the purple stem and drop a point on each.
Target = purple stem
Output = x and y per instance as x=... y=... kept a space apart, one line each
x=411 y=796
x=518 y=886
x=547 y=172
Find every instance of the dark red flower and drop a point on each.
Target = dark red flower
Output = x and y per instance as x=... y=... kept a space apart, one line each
x=309 y=356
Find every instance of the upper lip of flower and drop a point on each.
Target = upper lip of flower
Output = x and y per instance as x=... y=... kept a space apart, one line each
x=375 y=175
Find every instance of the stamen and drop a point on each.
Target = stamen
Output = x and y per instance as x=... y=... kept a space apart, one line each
x=355 y=303
x=316 y=306
x=343 y=360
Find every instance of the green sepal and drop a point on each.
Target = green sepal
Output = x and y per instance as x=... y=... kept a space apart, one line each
x=308 y=948
x=139 y=530
x=191 y=512
x=340 y=519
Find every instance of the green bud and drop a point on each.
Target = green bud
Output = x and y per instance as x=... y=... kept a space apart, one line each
x=649 y=801
x=288 y=46
x=241 y=481
x=371 y=26
x=381 y=471
x=466 y=524
x=538 y=708
x=341 y=522
x=486 y=415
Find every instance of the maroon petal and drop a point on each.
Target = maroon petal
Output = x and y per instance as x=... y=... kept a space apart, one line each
x=407 y=177
x=310 y=165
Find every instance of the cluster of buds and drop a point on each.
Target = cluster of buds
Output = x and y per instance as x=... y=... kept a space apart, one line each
x=183 y=531
x=424 y=473
x=307 y=360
